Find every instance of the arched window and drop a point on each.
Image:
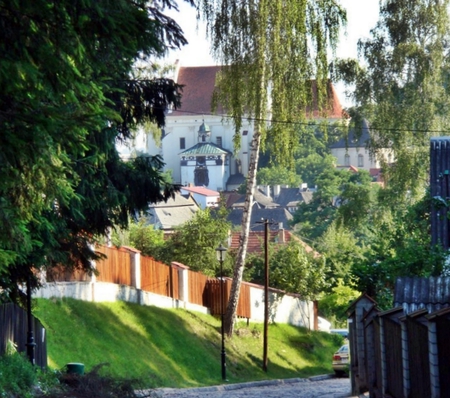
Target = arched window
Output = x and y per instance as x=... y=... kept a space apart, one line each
x=347 y=160
x=360 y=160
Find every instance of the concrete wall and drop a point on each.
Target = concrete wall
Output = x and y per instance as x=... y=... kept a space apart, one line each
x=283 y=308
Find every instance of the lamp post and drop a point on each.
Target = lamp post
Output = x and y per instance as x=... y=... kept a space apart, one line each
x=220 y=252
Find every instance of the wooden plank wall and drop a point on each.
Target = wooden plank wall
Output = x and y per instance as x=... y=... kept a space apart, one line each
x=116 y=268
x=62 y=274
x=197 y=288
x=159 y=278
x=213 y=297
x=14 y=328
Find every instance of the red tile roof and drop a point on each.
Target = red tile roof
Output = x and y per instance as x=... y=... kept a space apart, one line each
x=201 y=191
x=256 y=241
x=199 y=82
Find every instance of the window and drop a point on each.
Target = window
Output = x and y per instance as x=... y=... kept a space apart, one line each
x=360 y=160
x=347 y=160
x=182 y=143
x=219 y=141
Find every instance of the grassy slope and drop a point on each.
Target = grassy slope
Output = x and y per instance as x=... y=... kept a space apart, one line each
x=175 y=348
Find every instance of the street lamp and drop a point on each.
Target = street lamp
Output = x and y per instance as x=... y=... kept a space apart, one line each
x=220 y=252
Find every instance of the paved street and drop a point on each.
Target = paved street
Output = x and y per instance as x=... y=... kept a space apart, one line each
x=315 y=387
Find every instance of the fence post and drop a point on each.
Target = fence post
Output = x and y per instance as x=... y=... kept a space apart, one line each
x=135 y=271
x=405 y=358
x=93 y=276
x=434 y=363
x=383 y=358
x=135 y=267
x=183 y=281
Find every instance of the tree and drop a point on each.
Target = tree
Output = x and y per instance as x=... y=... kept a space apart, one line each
x=266 y=44
x=194 y=243
x=401 y=87
x=277 y=175
x=294 y=270
x=66 y=97
x=400 y=246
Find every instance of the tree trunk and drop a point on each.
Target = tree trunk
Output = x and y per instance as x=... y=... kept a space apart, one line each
x=230 y=314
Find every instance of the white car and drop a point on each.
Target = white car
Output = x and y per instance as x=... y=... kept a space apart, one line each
x=341 y=360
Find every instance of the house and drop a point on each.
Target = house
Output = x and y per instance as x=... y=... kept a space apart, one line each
x=290 y=198
x=353 y=151
x=197 y=146
x=256 y=241
x=203 y=196
x=277 y=217
x=168 y=215
x=261 y=198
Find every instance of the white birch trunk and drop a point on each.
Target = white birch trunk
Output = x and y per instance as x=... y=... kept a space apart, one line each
x=230 y=314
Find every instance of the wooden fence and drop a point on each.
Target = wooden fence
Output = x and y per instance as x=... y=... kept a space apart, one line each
x=395 y=354
x=119 y=267
x=14 y=329
x=159 y=278
x=116 y=268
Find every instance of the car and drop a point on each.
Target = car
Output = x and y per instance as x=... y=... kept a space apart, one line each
x=341 y=360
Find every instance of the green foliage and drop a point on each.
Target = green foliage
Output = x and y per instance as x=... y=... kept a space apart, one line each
x=311 y=166
x=194 y=243
x=174 y=347
x=340 y=248
x=401 y=87
x=341 y=196
x=277 y=175
x=402 y=247
x=17 y=376
x=333 y=306
x=147 y=239
x=294 y=270
x=67 y=95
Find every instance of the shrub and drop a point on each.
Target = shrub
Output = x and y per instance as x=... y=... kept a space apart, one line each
x=17 y=376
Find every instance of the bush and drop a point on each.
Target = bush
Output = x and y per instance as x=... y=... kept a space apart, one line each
x=17 y=376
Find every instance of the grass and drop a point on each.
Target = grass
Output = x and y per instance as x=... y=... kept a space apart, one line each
x=175 y=347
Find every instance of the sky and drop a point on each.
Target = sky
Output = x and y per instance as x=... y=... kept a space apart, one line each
x=362 y=15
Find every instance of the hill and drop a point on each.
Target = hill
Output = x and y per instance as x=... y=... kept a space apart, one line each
x=175 y=347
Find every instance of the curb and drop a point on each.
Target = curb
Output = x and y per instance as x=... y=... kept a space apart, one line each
x=237 y=386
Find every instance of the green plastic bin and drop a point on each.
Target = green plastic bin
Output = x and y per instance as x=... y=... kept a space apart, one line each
x=76 y=368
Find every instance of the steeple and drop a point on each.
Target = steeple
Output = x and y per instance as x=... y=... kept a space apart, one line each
x=204 y=133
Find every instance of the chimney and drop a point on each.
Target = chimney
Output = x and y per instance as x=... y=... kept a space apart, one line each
x=276 y=191
x=267 y=190
x=303 y=187
x=281 y=237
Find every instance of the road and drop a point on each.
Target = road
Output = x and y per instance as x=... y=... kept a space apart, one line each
x=314 y=387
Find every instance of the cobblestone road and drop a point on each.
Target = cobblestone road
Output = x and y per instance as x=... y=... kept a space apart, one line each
x=315 y=387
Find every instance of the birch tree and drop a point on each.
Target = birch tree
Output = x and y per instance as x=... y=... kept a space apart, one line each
x=270 y=50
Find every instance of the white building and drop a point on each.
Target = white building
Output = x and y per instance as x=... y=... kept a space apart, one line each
x=197 y=146
x=204 y=197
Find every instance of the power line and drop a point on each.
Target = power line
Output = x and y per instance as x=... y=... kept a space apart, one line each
x=312 y=124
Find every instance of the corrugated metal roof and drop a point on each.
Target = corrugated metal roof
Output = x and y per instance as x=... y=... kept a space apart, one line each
x=204 y=149
x=440 y=190
x=414 y=293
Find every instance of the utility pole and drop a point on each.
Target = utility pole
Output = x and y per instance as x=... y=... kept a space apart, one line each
x=266 y=291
